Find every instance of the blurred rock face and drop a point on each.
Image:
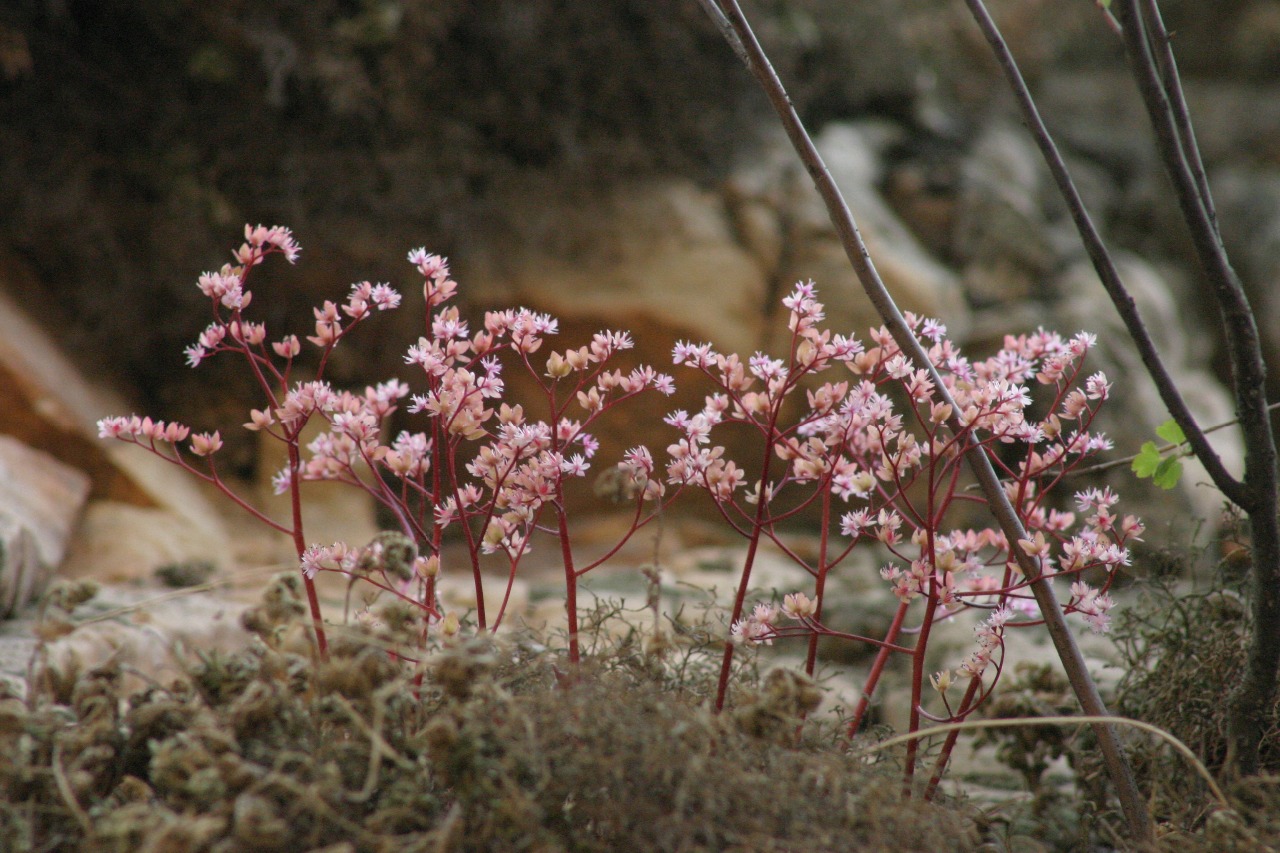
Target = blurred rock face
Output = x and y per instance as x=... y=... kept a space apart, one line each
x=608 y=162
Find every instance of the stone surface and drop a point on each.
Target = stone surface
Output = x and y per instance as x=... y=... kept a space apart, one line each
x=40 y=503
x=659 y=253
x=710 y=264
x=1001 y=235
x=149 y=630
x=53 y=407
x=810 y=248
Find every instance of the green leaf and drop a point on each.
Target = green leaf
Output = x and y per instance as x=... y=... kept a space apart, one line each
x=1148 y=460
x=1168 y=472
x=1171 y=432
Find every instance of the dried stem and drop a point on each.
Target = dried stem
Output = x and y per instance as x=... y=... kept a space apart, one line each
x=856 y=249
x=1027 y=722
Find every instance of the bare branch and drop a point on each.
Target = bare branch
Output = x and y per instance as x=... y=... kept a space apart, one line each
x=1162 y=94
x=1103 y=264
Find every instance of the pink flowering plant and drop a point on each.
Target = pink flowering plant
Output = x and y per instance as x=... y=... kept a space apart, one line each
x=873 y=453
x=479 y=465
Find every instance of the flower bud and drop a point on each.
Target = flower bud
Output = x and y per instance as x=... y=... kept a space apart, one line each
x=557 y=367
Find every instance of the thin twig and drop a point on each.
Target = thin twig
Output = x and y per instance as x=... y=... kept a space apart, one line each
x=1160 y=45
x=64 y=790
x=1064 y=641
x=1162 y=450
x=1107 y=16
x=1116 y=463
x=1241 y=327
x=726 y=30
x=179 y=593
x=378 y=746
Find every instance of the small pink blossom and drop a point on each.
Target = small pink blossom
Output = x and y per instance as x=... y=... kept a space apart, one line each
x=212 y=336
x=287 y=347
x=694 y=355
x=797 y=605
x=205 y=443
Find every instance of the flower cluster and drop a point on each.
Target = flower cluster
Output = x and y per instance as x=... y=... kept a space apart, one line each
x=762 y=625
x=990 y=635
x=881 y=449
x=478 y=463
x=138 y=430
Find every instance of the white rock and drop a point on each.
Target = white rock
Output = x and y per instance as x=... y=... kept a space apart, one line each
x=813 y=250
x=52 y=407
x=152 y=631
x=1134 y=409
x=40 y=502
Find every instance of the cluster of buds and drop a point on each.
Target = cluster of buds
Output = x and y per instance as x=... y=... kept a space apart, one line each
x=155 y=433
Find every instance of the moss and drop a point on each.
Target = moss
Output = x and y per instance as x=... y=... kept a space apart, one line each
x=489 y=746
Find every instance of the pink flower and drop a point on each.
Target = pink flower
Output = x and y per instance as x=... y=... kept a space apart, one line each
x=638 y=460
x=249 y=333
x=431 y=266
x=1097 y=387
x=203 y=444
x=853 y=523
x=933 y=330
x=281 y=481
x=575 y=466
x=605 y=344
x=385 y=297
x=751 y=631
x=287 y=347
x=797 y=605
x=276 y=238
x=114 y=427
x=765 y=614
x=694 y=355
x=336 y=557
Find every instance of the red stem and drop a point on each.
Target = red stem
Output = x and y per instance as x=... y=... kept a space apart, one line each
x=819 y=586
x=300 y=545
x=877 y=669
x=950 y=743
